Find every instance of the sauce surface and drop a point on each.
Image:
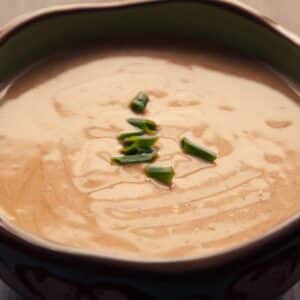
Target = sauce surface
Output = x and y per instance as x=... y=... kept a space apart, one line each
x=58 y=129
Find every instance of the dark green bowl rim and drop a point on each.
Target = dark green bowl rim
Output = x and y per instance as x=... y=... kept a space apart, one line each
x=235 y=6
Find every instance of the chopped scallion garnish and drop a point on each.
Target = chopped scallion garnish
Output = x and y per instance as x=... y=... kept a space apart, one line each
x=147 y=126
x=198 y=151
x=126 y=135
x=141 y=141
x=162 y=174
x=131 y=150
x=139 y=103
x=135 y=159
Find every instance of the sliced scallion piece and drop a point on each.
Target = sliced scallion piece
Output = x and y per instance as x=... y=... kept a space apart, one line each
x=147 y=126
x=198 y=151
x=126 y=135
x=131 y=150
x=141 y=141
x=139 y=103
x=164 y=175
x=135 y=159
x=139 y=144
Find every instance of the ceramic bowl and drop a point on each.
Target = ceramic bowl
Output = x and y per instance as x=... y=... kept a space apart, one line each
x=261 y=269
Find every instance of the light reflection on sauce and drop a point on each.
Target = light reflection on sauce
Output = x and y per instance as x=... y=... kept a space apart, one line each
x=58 y=129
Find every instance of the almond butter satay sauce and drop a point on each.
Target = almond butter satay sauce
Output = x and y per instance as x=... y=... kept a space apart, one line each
x=58 y=129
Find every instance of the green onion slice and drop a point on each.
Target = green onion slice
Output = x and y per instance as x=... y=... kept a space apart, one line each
x=135 y=159
x=147 y=126
x=139 y=144
x=198 y=151
x=164 y=175
x=126 y=135
x=131 y=150
x=139 y=103
x=141 y=141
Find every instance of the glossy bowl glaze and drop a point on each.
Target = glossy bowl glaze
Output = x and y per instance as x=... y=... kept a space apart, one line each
x=261 y=269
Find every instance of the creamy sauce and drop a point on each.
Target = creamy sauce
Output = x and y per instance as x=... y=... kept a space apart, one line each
x=58 y=128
